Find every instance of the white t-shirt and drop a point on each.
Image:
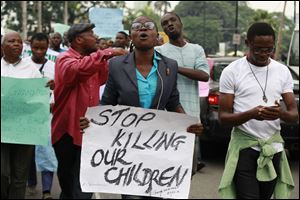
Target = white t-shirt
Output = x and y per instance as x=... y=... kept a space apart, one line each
x=23 y=69
x=47 y=71
x=238 y=79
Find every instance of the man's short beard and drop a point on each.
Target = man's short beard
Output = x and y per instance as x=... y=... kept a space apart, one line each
x=174 y=36
x=143 y=48
x=91 y=50
x=38 y=59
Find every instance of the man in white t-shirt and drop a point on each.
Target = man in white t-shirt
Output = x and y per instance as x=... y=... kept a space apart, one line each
x=44 y=157
x=250 y=91
x=15 y=158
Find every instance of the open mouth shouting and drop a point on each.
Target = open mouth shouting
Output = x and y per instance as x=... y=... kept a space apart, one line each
x=143 y=36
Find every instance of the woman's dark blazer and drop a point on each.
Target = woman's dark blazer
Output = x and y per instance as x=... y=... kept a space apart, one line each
x=122 y=89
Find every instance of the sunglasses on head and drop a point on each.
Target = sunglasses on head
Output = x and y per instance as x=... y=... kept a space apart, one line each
x=138 y=26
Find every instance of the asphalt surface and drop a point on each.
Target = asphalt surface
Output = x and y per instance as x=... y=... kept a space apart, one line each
x=204 y=183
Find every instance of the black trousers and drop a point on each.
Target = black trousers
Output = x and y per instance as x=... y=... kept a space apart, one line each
x=247 y=186
x=68 y=157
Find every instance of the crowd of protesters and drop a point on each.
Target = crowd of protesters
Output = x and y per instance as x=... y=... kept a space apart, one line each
x=84 y=61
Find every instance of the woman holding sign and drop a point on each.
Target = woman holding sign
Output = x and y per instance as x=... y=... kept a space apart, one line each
x=149 y=76
x=143 y=78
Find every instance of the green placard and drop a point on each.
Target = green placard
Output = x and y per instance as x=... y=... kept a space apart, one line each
x=24 y=111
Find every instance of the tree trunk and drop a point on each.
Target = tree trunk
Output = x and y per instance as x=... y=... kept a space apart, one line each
x=24 y=19
x=39 y=16
x=279 y=39
x=65 y=12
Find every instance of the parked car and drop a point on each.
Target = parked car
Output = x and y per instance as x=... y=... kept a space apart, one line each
x=209 y=107
x=209 y=116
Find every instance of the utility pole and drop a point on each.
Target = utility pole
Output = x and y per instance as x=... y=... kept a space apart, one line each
x=24 y=19
x=279 y=39
x=65 y=12
x=294 y=12
x=39 y=16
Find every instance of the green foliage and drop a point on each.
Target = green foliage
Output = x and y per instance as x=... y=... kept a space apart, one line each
x=146 y=11
x=210 y=22
x=205 y=22
x=206 y=32
x=274 y=20
x=160 y=6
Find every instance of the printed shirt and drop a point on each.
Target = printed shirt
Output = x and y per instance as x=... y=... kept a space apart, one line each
x=190 y=56
x=147 y=86
x=77 y=81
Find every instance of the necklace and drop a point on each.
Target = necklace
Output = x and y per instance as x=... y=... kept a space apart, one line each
x=265 y=99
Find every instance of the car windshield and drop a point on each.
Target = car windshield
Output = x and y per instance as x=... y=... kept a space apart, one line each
x=219 y=64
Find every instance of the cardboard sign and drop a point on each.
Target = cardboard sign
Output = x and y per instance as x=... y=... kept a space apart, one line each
x=137 y=151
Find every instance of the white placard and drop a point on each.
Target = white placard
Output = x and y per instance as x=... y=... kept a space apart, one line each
x=129 y=150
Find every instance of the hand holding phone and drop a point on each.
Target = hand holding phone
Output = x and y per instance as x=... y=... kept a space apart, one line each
x=271 y=112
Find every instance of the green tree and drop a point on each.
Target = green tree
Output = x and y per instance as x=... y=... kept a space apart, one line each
x=213 y=22
x=273 y=19
x=210 y=22
x=212 y=35
x=146 y=11
x=160 y=6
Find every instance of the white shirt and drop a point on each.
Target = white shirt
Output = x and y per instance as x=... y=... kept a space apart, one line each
x=23 y=69
x=47 y=71
x=238 y=79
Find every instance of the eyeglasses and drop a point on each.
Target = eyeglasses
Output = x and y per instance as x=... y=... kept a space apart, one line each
x=257 y=50
x=138 y=26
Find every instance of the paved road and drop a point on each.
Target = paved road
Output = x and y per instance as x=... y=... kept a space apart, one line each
x=204 y=184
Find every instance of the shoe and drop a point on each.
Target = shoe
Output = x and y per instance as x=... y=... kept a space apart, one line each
x=200 y=166
x=31 y=190
x=47 y=195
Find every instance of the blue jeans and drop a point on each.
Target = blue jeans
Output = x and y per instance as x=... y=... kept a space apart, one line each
x=47 y=177
x=15 y=163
